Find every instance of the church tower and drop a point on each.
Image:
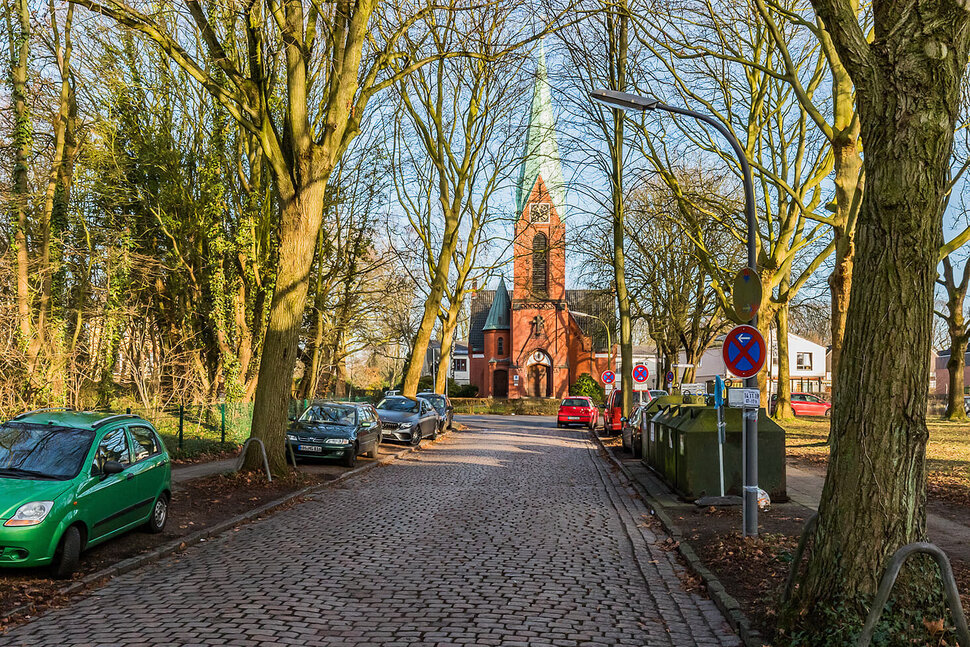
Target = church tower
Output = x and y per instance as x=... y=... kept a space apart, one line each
x=528 y=344
x=540 y=318
x=540 y=237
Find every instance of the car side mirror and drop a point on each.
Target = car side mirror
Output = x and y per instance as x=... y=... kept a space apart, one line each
x=112 y=467
x=624 y=419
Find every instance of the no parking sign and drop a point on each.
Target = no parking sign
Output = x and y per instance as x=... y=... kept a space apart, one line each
x=744 y=351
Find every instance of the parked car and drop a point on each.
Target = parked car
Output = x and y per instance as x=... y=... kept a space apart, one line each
x=657 y=393
x=442 y=405
x=632 y=432
x=577 y=410
x=407 y=420
x=71 y=480
x=613 y=410
x=343 y=430
x=806 y=404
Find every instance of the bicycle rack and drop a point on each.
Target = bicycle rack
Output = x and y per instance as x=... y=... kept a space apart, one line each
x=889 y=579
x=262 y=447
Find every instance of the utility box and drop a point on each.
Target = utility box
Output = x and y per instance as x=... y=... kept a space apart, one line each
x=686 y=456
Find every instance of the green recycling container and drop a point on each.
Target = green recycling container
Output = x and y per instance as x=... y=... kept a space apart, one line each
x=694 y=472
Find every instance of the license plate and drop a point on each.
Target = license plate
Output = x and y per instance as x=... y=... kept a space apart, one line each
x=309 y=448
x=573 y=418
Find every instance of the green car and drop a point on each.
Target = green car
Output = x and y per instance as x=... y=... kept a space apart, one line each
x=70 y=480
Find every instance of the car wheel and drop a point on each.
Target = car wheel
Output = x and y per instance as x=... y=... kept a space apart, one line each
x=416 y=437
x=350 y=458
x=68 y=554
x=372 y=453
x=156 y=522
x=828 y=413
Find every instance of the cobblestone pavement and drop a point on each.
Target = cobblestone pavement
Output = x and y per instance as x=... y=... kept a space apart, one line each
x=516 y=534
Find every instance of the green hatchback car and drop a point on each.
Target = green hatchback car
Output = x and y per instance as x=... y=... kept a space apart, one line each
x=70 y=480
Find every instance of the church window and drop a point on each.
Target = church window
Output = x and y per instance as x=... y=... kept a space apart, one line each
x=539 y=212
x=501 y=346
x=540 y=264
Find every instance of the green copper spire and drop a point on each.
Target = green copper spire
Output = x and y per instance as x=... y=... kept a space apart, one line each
x=541 y=157
x=501 y=310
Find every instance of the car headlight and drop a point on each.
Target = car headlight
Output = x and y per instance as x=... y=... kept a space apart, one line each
x=337 y=441
x=30 y=514
x=290 y=437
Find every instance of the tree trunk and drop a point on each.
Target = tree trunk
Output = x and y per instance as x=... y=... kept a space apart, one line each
x=908 y=87
x=783 y=410
x=301 y=216
x=431 y=306
x=447 y=345
x=20 y=51
x=955 y=366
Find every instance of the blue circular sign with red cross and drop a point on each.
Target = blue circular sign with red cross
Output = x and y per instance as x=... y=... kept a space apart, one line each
x=670 y=377
x=609 y=377
x=744 y=351
x=640 y=373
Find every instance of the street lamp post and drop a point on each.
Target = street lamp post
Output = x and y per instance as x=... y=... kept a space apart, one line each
x=609 y=342
x=625 y=101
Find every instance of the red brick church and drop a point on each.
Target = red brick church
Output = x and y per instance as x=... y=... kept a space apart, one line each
x=529 y=343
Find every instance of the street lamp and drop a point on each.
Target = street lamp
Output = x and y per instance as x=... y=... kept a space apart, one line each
x=626 y=101
x=609 y=342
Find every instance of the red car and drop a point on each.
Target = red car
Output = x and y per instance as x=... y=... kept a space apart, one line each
x=577 y=410
x=806 y=404
x=613 y=412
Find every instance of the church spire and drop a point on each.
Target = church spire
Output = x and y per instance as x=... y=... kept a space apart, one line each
x=541 y=156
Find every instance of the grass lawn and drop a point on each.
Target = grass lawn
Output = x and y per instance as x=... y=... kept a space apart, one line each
x=947 y=453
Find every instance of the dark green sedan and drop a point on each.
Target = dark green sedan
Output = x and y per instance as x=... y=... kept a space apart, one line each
x=341 y=430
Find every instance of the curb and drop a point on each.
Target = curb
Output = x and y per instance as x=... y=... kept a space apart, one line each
x=728 y=606
x=183 y=543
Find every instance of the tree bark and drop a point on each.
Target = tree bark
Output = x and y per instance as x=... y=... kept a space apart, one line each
x=783 y=410
x=20 y=194
x=301 y=217
x=908 y=87
x=955 y=410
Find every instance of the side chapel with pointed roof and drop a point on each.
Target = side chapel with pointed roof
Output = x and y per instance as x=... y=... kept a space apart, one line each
x=528 y=343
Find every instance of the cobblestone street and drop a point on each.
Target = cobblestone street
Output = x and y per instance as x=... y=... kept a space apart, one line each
x=511 y=532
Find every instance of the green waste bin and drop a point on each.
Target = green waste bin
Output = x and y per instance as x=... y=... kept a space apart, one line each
x=693 y=472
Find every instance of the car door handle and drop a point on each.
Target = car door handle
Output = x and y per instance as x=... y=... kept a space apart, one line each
x=129 y=476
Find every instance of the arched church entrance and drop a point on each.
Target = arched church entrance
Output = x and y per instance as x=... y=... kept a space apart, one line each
x=539 y=367
x=500 y=384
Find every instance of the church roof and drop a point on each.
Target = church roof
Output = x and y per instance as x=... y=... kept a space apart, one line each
x=541 y=156
x=500 y=312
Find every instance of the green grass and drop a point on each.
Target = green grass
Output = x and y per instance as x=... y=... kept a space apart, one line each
x=519 y=406
x=947 y=453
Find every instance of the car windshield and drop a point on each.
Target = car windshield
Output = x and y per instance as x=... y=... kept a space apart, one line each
x=658 y=394
x=333 y=414
x=42 y=451
x=398 y=404
x=575 y=402
x=437 y=400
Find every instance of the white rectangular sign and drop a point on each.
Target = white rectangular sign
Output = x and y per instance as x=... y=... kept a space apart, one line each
x=693 y=388
x=640 y=386
x=744 y=398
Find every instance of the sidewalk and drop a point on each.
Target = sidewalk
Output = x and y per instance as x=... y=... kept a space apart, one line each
x=805 y=488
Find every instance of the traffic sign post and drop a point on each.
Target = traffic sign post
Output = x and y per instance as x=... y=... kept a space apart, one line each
x=608 y=377
x=670 y=377
x=640 y=375
x=744 y=354
x=719 y=405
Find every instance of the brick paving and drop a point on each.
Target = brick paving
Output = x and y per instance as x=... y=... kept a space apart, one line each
x=515 y=535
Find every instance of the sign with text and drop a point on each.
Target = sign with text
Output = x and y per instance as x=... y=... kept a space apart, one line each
x=744 y=398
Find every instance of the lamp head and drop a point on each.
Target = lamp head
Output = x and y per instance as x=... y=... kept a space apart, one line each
x=623 y=100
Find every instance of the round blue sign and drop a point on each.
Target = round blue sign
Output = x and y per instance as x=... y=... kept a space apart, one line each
x=744 y=351
x=670 y=376
x=609 y=377
x=640 y=373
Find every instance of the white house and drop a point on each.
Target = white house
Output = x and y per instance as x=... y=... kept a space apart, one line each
x=806 y=364
x=459 y=361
